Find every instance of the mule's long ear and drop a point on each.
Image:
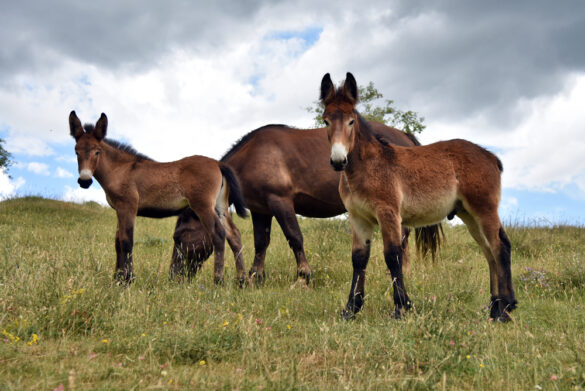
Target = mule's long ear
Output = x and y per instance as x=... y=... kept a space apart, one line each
x=101 y=127
x=327 y=88
x=75 y=127
x=350 y=88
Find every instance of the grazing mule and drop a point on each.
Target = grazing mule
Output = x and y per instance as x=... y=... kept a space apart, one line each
x=138 y=186
x=284 y=172
x=392 y=186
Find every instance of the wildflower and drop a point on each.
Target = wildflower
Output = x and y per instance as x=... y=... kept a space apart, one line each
x=225 y=323
x=104 y=340
x=481 y=365
x=451 y=343
x=143 y=335
x=92 y=355
x=467 y=357
x=164 y=373
x=202 y=362
x=288 y=326
x=170 y=381
x=33 y=340
x=554 y=378
x=165 y=322
x=258 y=321
x=141 y=358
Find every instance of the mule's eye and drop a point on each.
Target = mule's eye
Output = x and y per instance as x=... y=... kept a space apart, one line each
x=326 y=122
x=351 y=122
x=97 y=152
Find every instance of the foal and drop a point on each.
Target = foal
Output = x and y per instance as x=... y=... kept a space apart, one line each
x=138 y=186
x=391 y=185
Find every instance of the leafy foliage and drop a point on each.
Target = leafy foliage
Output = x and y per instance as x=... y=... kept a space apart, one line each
x=5 y=156
x=373 y=108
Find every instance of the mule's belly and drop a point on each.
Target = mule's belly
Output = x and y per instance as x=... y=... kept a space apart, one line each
x=163 y=206
x=430 y=210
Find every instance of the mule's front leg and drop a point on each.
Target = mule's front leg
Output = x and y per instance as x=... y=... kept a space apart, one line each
x=124 y=242
x=391 y=234
x=360 y=254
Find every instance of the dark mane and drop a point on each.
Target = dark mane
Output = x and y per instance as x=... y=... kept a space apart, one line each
x=247 y=137
x=126 y=148
x=89 y=128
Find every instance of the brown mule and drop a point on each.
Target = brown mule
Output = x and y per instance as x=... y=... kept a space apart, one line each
x=283 y=172
x=391 y=185
x=138 y=186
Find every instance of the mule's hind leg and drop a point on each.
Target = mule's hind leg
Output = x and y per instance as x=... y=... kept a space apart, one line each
x=392 y=237
x=496 y=249
x=262 y=224
x=234 y=239
x=285 y=215
x=360 y=254
x=405 y=251
x=216 y=231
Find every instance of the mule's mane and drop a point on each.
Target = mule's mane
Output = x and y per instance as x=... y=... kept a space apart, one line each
x=247 y=137
x=89 y=128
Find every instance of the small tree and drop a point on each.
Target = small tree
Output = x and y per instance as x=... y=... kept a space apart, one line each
x=5 y=157
x=369 y=107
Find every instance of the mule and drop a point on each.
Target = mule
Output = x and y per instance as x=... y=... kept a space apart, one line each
x=135 y=185
x=392 y=185
x=283 y=172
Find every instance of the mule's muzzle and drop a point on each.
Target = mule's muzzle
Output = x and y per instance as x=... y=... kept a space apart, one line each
x=85 y=183
x=338 y=165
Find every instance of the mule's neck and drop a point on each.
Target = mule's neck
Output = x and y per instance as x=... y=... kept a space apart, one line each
x=110 y=159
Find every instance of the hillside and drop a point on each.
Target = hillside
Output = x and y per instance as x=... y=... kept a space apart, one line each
x=65 y=323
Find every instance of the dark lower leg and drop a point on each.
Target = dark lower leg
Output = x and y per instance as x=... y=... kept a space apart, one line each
x=355 y=302
x=393 y=258
x=262 y=225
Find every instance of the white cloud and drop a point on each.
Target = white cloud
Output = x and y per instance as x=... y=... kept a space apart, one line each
x=8 y=187
x=38 y=168
x=63 y=173
x=80 y=195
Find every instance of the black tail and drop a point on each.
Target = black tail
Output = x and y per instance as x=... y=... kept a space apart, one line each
x=235 y=191
x=428 y=240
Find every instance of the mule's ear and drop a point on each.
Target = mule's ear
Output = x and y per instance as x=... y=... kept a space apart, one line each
x=327 y=88
x=75 y=127
x=350 y=88
x=101 y=127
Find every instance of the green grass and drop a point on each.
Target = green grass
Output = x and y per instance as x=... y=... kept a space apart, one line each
x=66 y=324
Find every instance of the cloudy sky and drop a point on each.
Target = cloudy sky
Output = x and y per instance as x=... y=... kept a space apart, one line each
x=178 y=78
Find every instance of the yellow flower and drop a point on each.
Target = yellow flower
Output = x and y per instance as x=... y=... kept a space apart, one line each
x=202 y=362
x=104 y=340
x=143 y=334
x=467 y=357
x=33 y=340
x=481 y=366
x=288 y=326
x=225 y=323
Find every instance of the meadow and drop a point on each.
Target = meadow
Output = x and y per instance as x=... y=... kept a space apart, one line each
x=66 y=325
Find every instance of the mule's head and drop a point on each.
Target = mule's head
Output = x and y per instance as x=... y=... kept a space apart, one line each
x=88 y=146
x=340 y=117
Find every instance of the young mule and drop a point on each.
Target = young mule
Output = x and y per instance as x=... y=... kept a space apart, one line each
x=138 y=186
x=390 y=185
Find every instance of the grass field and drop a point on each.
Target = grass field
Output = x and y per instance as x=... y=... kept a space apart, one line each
x=65 y=325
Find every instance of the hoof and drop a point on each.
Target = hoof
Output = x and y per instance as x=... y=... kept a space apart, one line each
x=242 y=282
x=347 y=314
x=258 y=278
x=305 y=274
x=218 y=280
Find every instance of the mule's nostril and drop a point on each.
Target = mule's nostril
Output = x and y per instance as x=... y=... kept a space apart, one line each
x=85 y=183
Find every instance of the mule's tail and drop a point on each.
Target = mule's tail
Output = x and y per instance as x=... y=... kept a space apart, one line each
x=235 y=191
x=428 y=240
